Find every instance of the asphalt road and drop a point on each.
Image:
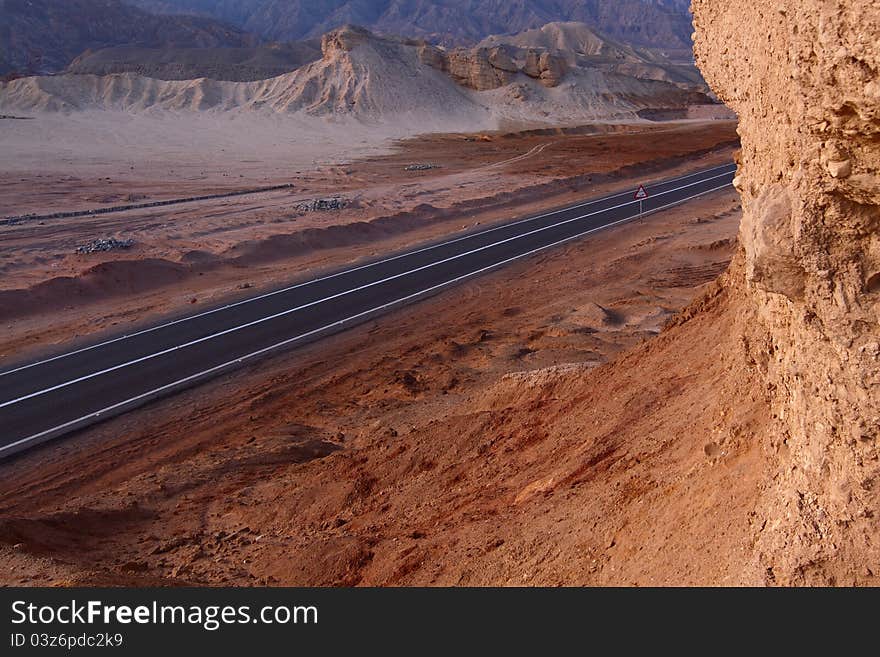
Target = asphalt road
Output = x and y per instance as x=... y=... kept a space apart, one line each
x=52 y=397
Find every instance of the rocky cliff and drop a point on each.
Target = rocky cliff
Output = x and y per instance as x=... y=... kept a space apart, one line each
x=803 y=77
x=579 y=45
x=490 y=68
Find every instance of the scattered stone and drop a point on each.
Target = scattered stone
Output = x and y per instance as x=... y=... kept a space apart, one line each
x=180 y=570
x=422 y=167
x=840 y=169
x=109 y=244
x=322 y=205
x=100 y=245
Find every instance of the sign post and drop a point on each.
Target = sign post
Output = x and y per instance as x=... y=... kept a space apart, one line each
x=640 y=196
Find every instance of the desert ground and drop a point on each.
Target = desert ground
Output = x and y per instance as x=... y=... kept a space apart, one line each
x=689 y=398
x=287 y=473
x=415 y=449
x=193 y=255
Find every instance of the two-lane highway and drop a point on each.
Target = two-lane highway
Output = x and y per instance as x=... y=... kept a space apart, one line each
x=49 y=398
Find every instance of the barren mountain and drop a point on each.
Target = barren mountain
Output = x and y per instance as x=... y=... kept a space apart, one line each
x=662 y=23
x=39 y=36
x=233 y=64
x=371 y=78
x=581 y=45
x=573 y=37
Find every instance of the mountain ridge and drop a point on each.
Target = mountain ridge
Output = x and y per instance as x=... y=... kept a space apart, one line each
x=225 y=64
x=656 y=23
x=44 y=36
x=379 y=79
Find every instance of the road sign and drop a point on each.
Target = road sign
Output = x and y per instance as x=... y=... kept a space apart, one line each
x=640 y=196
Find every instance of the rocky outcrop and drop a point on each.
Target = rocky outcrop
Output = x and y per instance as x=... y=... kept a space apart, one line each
x=434 y=57
x=345 y=39
x=474 y=69
x=802 y=75
x=575 y=45
x=483 y=69
x=480 y=69
x=545 y=66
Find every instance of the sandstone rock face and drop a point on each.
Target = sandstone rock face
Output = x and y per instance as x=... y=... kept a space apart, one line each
x=552 y=69
x=475 y=69
x=490 y=68
x=501 y=59
x=544 y=66
x=532 y=67
x=345 y=39
x=433 y=57
x=772 y=264
x=802 y=75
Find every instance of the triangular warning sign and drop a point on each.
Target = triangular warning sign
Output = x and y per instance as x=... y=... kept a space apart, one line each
x=642 y=193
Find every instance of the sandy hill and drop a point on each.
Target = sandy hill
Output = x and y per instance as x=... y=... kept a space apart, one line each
x=169 y=63
x=659 y=23
x=573 y=37
x=40 y=36
x=377 y=79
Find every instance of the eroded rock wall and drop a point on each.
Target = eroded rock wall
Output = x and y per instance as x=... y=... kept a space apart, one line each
x=803 y=77
x=483 y=69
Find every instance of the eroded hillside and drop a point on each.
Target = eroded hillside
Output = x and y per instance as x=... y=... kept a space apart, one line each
x=380 y=79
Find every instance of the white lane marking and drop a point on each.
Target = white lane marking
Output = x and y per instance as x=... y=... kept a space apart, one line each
x=289 y=311
x=353 y=269
x=340 y=322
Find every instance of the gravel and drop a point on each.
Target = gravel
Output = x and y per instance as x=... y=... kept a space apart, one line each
x=101 y=245
x=322 y=204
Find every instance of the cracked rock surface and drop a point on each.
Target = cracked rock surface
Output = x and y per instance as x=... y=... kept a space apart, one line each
x=803 y=77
